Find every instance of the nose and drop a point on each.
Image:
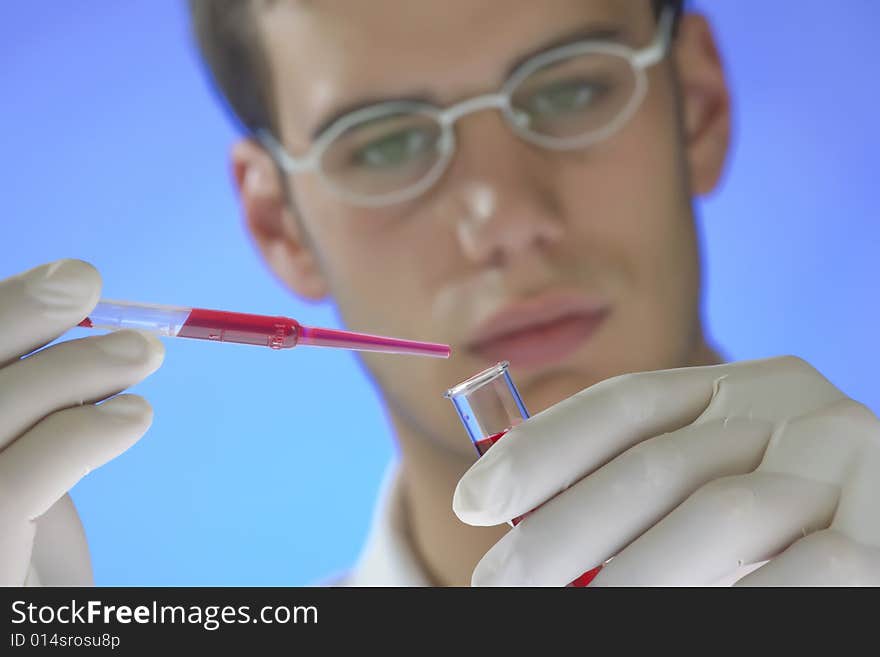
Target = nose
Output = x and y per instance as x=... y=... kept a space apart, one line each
x=503 y=189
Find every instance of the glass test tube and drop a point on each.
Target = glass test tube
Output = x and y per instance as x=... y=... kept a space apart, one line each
x=489 y=406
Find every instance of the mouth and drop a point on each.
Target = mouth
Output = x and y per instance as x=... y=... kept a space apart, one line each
x=539 y=332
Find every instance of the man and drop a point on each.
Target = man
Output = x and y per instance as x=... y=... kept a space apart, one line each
x=515 y=180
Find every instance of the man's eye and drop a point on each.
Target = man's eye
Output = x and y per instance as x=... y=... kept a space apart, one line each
x=562 y=98
x=397 y=149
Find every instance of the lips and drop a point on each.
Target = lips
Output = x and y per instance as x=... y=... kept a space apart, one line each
x=538 y=332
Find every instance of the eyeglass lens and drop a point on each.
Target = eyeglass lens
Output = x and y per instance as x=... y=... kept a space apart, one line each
x=563 y=101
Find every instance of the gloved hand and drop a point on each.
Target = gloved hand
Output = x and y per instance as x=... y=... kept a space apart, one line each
x=683 y=477
x=51 y=431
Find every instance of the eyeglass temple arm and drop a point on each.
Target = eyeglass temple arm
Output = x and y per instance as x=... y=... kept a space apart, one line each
x=277 y=151
x=654 y=52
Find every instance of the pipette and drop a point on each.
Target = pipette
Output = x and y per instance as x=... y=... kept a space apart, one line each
x=243 y=328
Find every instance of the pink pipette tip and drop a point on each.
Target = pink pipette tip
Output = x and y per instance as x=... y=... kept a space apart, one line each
x=324 y=337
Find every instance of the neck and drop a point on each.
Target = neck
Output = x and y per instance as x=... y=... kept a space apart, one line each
x=449 y=549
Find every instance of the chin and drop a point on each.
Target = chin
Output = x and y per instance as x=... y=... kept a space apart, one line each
x=551 y=388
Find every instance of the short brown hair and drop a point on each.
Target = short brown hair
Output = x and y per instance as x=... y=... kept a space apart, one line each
x=227 y=37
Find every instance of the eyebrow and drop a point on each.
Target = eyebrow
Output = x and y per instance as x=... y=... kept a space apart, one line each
x=598 y=33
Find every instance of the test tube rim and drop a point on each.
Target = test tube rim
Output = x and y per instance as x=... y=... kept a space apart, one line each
x=478 y=380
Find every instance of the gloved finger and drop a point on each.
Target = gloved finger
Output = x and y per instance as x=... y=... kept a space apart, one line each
x=552 y=450
x=856 y=516
x=42 y=303
x=824 y=558
x=846 y=554
x=726 y=524
x=61 y=552
x=47 y=461
x=820 y=446
x=16 y=543
x=598 y=516
x=562 y=444
x=71 y=373
x=824 y=444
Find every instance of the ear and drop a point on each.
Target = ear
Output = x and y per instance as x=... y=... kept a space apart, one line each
x=705 y=102
x=272 y=224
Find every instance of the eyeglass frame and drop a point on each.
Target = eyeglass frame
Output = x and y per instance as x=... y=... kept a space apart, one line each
x=639 y=60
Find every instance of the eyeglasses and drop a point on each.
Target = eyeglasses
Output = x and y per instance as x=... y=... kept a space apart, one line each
x=566 y=98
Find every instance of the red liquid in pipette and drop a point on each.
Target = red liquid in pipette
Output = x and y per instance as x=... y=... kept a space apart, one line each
x=242 y=328
x=285 y=333
x=482 y=446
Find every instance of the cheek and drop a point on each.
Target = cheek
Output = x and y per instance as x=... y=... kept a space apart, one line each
x=631 y=197
x=383 y=264
x=631 y=220
x=628 y=223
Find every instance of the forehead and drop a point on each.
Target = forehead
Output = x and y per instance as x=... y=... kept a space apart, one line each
x=324 y=54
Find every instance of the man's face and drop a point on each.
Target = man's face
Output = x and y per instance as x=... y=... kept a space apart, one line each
x=606 y=231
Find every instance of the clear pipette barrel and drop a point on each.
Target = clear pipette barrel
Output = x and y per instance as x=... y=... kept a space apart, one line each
x=243 y=328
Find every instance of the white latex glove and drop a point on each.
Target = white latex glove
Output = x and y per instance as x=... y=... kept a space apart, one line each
x=51 y=431
x=685 y=476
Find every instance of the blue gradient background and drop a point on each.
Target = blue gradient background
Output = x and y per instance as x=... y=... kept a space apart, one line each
x=114 y=151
